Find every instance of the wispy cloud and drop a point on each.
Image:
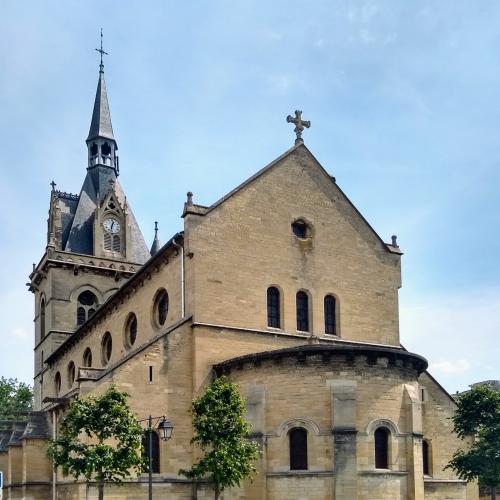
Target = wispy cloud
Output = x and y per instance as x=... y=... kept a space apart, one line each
x=449 y=367
x=21 y=333
x=451 y=330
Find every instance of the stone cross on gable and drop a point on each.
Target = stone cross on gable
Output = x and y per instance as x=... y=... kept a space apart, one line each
x=53 y=184
x=299 y=125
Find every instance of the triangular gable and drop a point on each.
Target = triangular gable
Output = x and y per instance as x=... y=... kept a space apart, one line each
x=390 y=248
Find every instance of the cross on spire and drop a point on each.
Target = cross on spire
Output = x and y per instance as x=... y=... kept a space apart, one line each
x=299 y=125
x=102 y=52
x=53 y=184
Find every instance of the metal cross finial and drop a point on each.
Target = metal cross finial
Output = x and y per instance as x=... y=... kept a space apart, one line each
x=299 y=125
x=53 y=184
x=101 y=51
x=156 y=228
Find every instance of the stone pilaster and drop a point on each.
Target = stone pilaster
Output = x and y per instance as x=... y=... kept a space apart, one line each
x=344 y=439
x=414 y=458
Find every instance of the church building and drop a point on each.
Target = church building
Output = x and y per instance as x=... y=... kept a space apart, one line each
x=282 y=286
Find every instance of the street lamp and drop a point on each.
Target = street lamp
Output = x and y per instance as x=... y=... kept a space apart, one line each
x=165 y=429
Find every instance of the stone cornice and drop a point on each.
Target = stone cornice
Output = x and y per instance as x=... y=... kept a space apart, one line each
x=370 y=355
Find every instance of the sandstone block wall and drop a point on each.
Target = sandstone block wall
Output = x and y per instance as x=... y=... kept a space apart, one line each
x=246 y=244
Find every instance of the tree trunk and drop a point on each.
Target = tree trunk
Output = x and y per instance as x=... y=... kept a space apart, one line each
x=101 y=490
x=217 y=492
x=493 y=493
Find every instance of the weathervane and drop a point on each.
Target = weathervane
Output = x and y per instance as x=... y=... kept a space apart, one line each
x=299 y=125
x=101 y=51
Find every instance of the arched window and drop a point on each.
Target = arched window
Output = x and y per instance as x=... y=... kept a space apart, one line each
x=42 y=319
x=330 y=317
x=298 y=448
x=382 y=448
x=302 y=311
x=161 y=307
x=106 y=149
x=155 y=448
x=273 y=307
x=426 y=458
x=71 y=373
x=57 y=383
x=131 y=330
x=87 y=304
x=106 y=348
x=87 y=358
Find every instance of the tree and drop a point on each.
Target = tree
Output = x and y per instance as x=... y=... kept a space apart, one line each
x=99 y=438
x=478 y=414
x=16 y=399
x=221 y=432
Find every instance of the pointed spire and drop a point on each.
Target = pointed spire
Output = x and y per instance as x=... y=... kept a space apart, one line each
x=156 y=242
x=100 y=125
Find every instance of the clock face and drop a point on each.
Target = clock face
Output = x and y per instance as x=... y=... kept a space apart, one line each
x=111 y=226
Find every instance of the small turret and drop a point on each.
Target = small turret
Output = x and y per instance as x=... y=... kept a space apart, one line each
x=156 y=242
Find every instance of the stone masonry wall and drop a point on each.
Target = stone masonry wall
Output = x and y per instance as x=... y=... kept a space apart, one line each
x=246 y=244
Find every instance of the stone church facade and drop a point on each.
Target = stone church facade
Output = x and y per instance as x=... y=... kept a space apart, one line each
x=282 y=286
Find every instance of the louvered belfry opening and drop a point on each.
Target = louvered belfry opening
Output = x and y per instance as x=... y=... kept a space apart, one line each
x=298 y=449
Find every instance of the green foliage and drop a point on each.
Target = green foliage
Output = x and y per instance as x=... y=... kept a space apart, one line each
x=221 y=432
x=99 y=438
x=16 y=398
x=478 y=414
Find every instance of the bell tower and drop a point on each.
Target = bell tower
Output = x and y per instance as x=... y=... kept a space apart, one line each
x=103 y=163
x=93 y=244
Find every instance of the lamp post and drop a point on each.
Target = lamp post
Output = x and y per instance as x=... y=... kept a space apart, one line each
x=165 y=429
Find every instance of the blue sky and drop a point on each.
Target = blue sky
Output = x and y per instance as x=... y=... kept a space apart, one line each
x=404 y=100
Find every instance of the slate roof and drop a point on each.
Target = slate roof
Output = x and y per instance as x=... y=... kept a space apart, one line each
x=77 y=212
x=67 y=204
x=4 y=439
x=38 y=426
x=100 y=125
x=17 y=434
x=81 y=234
x=156 y=242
